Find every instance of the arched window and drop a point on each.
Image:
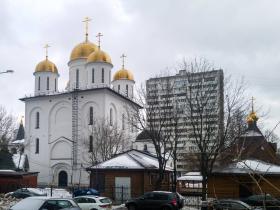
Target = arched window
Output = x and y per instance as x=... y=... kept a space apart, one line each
x=48 y=83
x=37 y=146
x=145 y=147
x=77 y=78
x=102 y=78
x=90 y=149
x=123 y=122
x=39 y=83
x=92 y=75
x=91 y=115
x=37 y=120
x=111 y=116
x=119 y=87
x=55 y=84
x=126 y=90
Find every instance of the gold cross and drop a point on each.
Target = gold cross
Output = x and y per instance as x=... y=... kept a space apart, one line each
x=123 y=56
x=86 y=21
x=46 y=47
x=99 y=36
x=252 y=99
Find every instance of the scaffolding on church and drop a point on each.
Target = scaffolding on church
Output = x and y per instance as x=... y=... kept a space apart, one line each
x=75 y=131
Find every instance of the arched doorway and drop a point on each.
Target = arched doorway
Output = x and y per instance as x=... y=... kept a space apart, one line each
x=62 y=179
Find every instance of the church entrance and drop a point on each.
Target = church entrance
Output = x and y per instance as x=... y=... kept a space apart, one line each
x=62 y=179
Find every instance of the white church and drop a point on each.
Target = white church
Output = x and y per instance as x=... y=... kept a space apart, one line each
x=57 y=123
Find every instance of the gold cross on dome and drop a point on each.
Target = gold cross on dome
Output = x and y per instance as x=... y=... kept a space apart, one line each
x=86 y=21
x=123 y=56
x=99 y=36
x=252 y=99
x=46 y=47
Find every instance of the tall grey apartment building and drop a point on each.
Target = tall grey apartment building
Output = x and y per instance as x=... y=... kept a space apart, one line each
x=180 y=94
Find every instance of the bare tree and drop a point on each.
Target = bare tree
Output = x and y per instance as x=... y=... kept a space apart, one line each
x=159 y=112
x=7 y=131
x=105 y=141
x=210 y=117
x=7 y=128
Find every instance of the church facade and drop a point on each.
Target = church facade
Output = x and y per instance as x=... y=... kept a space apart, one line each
x=58 y=125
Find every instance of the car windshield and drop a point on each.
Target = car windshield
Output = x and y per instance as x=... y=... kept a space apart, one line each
x=30 y=204
x=105 y=200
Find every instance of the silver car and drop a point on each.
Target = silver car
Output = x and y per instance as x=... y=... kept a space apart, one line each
x=45 y=203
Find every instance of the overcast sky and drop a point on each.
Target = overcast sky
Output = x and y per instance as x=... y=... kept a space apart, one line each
x=240 y=36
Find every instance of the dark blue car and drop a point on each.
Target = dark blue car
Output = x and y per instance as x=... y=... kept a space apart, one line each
x=87 y=191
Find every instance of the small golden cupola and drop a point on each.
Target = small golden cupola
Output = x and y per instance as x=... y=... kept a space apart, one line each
x=46 y=76
x=123 y=74
x=252 y=117
x=46 y=65
x=84 y=49
x=99 y=55
x=123 y=81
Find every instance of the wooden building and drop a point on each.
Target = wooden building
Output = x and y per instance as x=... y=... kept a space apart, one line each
x=129 y=174
x=11 y=180
x=245 y=178
x=248 y=166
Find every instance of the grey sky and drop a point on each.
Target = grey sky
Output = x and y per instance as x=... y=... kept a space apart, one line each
x=240 y=36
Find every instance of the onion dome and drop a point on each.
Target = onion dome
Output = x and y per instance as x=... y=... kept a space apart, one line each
x=46 y=66
x=83 y=50
x=252 y=117
x=123 y=74
x=99 y=56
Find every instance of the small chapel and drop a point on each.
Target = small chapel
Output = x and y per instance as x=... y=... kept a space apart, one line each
x=58 y=124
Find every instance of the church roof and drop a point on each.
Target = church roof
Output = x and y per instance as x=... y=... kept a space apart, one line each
x=132 y=159
x=249 y=166
x=81 y=91
x=20 y=133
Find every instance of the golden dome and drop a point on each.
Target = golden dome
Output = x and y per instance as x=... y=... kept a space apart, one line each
x=252 y=117
x=123 y=74
x=99 y=56
x=46 y=66
x=83 y=50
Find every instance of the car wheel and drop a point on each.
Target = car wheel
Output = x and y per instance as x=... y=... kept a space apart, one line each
x=131 y=207
x=93 y=209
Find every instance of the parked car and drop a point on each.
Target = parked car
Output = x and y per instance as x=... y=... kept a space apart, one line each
x=87 y=191
x=93 y=202
x=26 y=192
x=156 y=200
x=230 y=204
x=45 y=203
x=270 y=202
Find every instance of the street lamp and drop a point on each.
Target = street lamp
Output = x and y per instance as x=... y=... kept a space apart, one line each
x=7 y=71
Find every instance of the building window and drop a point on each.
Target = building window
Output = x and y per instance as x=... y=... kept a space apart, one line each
x=39 y=83
x=37 y=146
x=145 y=147
x=109 y=76
x=111 y=116
x=90 y=149
x=91 y=115
x=37 y=120
x=126 y=90
x=119 y=87
x=102 y=79
x=123 y=127
x=77 y=78
x=55 y=85
x=48 y=83
x=92 y=75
